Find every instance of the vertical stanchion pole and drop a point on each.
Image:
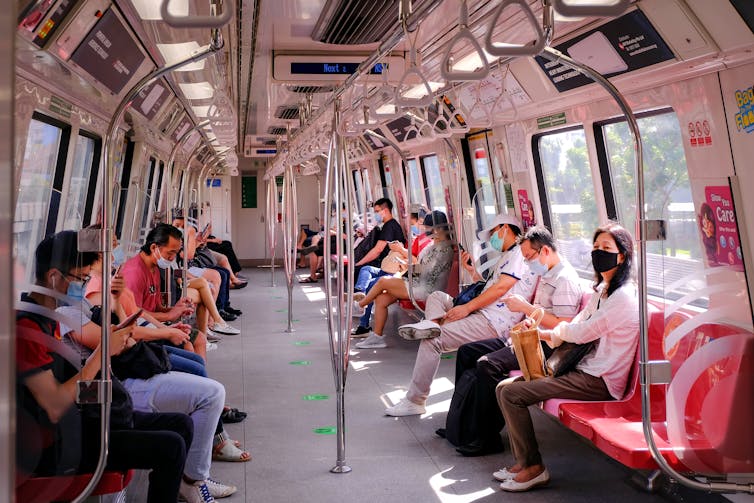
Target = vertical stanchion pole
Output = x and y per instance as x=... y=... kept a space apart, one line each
x=271 y=220
x=289 y=228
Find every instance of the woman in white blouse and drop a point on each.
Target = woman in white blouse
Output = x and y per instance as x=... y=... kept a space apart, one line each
x=611 y=319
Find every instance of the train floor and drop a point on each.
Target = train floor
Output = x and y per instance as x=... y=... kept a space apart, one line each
x=285 y=383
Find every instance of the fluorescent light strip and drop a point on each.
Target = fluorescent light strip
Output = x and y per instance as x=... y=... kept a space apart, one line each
x=197 y=90
x=149 y=10
x=173 y=53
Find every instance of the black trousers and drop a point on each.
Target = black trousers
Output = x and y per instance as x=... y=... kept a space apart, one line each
x=226 y=248
x=493 y=361
x=157 y=442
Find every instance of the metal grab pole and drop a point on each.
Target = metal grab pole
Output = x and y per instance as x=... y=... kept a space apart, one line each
x=404 y=159
x=289 y=226
x=458 y=206
x=334 y=188
x=171 y=162
x=106 y=247
x=271 y=221
x=185 y=189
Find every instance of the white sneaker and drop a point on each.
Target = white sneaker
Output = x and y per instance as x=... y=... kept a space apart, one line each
x=358 y=311
x=198 y=492
x=211 y=346
x=225 y=329
x=218 y=490
x=425 y=329
x=374 y=341
x=405 y=408
x=213 y=336
x=503 y=474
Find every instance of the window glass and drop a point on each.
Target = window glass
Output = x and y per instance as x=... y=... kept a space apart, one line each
x=485 y=192
x=417 y=187
x=78 y=186
x=570 y=195
x=667 y=194
x=146 y=209
x=435 y=188
x=359 y=191
x=34 y=194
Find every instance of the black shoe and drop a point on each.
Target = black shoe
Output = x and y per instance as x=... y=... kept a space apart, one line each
x=361 y=330
x=480 y=448
x=308 y=250
x=440 y=432
x=227 y=316
x=233 y=311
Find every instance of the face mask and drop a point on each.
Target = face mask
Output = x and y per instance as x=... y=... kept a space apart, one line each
x=603 y=261
x=119 y=256
x=415 y=230
x=163 y=263
x=378 y=218
x=75 y=290
x=537 y=267
x=496 y=241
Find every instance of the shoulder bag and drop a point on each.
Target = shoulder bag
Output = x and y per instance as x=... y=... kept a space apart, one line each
x=527 y=348
x=469 y=293
x=142 y=361
x=566 y=356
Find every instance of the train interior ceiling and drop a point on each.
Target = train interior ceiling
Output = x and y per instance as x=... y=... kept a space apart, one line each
x=434 y=120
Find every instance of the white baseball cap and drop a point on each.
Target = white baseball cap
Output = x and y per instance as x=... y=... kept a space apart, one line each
x=499 y=220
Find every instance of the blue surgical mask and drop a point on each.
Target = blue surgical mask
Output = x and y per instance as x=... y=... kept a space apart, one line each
x=537 y=267
x=162 y=262
x=378 y=218
x=119 y=256
x=75 y=290
x=496 y=241
x=415 y=230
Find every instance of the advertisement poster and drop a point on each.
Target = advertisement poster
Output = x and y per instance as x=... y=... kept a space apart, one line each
x=527 y=214
x=717 y=225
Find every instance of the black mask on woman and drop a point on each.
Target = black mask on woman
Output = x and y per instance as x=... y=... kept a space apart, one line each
x=604 y=260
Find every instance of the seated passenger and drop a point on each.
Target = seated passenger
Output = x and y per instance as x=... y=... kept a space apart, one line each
x=612 y=319
x=483 y=317
x=559 y=293
x=430 y=274
x=46 y=387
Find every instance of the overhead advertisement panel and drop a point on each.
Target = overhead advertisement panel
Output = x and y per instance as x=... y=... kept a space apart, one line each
x=333 y=69
x=619 y=46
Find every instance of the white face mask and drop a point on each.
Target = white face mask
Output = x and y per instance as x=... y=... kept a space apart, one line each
x=162 y=262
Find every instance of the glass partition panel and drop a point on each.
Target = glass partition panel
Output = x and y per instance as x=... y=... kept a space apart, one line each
x=78 y=185
x=435 y=189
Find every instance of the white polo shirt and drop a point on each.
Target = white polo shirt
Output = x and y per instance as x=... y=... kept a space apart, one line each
x=511 y=263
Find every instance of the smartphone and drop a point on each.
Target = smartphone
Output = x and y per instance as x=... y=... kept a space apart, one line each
x=461 y=247
x=130 y=320
x=117 y=270
x=206 y=228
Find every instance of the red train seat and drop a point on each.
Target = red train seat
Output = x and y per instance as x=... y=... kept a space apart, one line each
x=43 y=489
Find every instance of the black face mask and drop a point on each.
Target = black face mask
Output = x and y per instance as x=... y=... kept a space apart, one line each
x=604 y=260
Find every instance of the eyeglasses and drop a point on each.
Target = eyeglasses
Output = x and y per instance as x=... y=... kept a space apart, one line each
x=535 y=255
x=83 y=279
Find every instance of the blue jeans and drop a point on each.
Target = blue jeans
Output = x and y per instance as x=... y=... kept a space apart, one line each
x=223 y=296
x=199 y=397
x=368 y=276
x=186 y=361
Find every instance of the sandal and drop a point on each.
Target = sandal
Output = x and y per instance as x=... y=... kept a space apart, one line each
x=232 y=415
x=227 y=450
x=308 y=280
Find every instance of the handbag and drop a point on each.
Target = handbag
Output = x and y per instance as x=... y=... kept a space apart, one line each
x=566 y=356
x=392 y=262
x=142 y=361
x=526 y=346
x=469 y=293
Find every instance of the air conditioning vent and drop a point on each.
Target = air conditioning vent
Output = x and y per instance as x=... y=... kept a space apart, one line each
x=351 y=22
x=287 y=112
x=270 y=142
x=311 y=89
x=277 y=130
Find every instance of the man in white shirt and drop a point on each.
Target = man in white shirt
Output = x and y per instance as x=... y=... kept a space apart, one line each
x=447 y=327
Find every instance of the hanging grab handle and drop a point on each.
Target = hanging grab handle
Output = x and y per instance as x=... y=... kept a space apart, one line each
x=446 y=67
x=197 y=21
x=405 y=102
x=506 y=49
x=597 y=9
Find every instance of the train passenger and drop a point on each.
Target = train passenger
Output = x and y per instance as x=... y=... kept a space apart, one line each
x=447 y=327
x=430 y=274
x=46 y=385
x=489 y=361
x=612 y=319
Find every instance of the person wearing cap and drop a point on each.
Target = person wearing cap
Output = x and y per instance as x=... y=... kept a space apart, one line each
x=447 y=327
x=430 y=274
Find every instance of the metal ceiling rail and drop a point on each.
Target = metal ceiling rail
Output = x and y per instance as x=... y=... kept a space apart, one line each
x=382 y=51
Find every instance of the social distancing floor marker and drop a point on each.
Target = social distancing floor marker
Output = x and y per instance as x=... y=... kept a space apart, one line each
x=300 y=362
x=301 y=343
x=446 y=357
x=315 y=397
x=326 y=430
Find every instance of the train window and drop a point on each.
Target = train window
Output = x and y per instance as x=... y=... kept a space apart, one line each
x=435 y=190
x=358 y=188
x=125 y=180
x=81 y=184
x=417 y=185
x=667 y=191
x=148 y=205
x=567 y=193
x=39 y=187
x=158 y=186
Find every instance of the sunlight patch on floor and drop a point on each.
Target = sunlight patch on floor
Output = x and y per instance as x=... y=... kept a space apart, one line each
x=362 y=365
x=438 y=483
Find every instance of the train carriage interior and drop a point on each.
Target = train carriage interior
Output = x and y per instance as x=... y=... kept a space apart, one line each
x=302 y=217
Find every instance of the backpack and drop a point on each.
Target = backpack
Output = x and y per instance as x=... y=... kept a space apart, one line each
x=460 y=425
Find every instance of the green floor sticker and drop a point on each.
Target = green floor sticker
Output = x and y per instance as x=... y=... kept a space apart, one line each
x=300 y=362
x=301 y=343
x=327 y=430
x=281 y=310
x=446 y=357
x=315 y=397
x=295 y=320
x=277 y=297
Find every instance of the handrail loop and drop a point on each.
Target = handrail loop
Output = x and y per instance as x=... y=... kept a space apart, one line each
x=446 y=66
x=507 y=49
x=586 y=9
x=412 y=69
x=197 y=21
